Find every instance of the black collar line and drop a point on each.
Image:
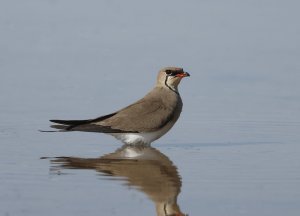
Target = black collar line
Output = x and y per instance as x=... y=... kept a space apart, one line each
x=166 y=83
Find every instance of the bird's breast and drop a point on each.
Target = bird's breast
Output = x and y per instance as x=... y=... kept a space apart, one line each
x=143 y=137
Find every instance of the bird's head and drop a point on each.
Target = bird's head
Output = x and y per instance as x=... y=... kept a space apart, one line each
x=170 y=77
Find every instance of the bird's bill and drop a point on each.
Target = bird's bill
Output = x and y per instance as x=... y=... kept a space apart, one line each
x=184 y=74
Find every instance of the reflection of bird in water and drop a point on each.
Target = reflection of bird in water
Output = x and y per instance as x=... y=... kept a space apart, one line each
x=143 y=167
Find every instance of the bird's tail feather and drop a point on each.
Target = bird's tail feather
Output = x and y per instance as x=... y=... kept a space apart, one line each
x=70 y=122
x=86 y=125
x=87 y=128
x=67 y=125
x=60 y=127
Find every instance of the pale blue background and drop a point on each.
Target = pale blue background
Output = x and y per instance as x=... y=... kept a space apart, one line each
x=236 y=144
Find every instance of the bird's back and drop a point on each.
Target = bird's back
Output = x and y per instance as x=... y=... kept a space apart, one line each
x=148 y=114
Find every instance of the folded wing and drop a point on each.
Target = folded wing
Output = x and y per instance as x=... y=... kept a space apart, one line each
x=142 y=116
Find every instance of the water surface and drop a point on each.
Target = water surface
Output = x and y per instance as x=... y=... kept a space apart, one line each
x=235 y=149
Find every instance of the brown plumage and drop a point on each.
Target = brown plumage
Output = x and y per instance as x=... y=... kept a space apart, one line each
x=143 y=121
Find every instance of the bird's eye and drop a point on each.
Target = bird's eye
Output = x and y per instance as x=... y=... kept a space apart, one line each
x=168 y=72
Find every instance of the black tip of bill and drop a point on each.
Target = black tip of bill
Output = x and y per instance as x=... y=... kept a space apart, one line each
x=187 y=74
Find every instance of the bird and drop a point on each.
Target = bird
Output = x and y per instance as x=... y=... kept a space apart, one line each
x=142 y=122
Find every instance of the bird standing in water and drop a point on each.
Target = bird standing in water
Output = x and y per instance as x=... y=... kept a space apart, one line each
x=143 y=121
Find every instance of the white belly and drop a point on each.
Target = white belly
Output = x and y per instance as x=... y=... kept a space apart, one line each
x=142 y=138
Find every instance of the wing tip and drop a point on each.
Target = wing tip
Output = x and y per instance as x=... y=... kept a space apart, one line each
x=57 y=121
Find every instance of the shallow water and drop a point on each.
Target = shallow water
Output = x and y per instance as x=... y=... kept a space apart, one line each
x=235 y=149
